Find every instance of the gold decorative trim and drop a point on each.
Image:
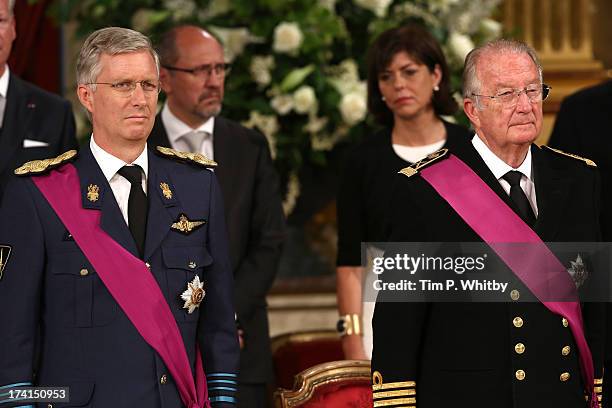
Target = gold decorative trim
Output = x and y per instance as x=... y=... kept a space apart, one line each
x=599 y=390
x=302 y=337
x=430 y=158
x=386 y=386
x=394 y=402
x=39 y=166
x=598 y=381
x=194 y=157
x=588 y=162
x=309 y=380
x=399 y=393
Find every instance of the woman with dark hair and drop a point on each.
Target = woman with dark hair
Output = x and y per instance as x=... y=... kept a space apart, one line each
x=408 y=92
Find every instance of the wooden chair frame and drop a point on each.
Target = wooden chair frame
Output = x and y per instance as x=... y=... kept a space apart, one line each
x=309 y=380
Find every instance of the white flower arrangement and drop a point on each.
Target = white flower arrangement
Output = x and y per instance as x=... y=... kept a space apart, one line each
x=298 y=68
x=287 y=38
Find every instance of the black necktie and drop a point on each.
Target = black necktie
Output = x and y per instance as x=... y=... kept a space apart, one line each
x=518 y=196
x=137 y=205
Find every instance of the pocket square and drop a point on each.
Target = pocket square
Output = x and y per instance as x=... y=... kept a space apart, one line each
x=34 y=143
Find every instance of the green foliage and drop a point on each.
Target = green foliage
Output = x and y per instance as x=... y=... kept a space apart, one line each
x=303 y=88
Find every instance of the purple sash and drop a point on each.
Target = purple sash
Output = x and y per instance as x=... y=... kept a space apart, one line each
x=119 y=270
x=539 y=269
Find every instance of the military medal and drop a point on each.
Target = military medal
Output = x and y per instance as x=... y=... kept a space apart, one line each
x=185 y=226
x=5 y=253
x=578 y=271
x=193 y=295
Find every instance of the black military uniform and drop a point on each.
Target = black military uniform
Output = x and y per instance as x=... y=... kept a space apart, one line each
x=506 y=355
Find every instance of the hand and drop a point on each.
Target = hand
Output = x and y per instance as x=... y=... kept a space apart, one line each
x=352 y=346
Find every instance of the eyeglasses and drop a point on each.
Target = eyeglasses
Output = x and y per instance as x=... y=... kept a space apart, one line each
x=509 y=97
x=204 y=71
x=126 y=88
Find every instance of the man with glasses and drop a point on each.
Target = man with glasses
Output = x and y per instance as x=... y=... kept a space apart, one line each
x=496 y=188
x=193 y=74
x=114 y=262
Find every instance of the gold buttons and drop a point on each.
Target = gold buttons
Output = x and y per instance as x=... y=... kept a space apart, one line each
x=520 y=375
x=564 y=377
x=564 y=322
x=517 y=322
x=84 y=272
x=565 y=350
x=519 y=348
x=164 y=379
x=515 y=294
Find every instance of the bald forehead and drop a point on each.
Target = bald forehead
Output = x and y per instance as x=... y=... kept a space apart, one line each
x=188 y=35
x=497 y=68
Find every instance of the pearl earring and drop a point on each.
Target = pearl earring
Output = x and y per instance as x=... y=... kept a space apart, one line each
x=383 y=98
x=436 y=88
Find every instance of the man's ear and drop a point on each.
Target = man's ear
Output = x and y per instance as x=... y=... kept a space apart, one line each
x=164 y=78
x=85 y=95
x=471 y=111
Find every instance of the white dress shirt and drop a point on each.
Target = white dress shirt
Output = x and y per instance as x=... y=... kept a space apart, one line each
x=4 y=83
x=176 y=129
x=110 y=165
x=499 y=168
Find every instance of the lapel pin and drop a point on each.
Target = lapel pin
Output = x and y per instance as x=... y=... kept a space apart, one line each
x=31 y=105
x=166 y=191
x=185 y=226
x=93 y=193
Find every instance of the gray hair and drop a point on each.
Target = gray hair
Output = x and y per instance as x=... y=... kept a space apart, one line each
x=11 y=6
x=471 y=83
x=110 y=41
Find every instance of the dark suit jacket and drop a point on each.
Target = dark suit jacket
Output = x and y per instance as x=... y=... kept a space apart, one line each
x=87 y=341
x=583 y=127
x=33 y=114
x=256 y=230
x=463 y=354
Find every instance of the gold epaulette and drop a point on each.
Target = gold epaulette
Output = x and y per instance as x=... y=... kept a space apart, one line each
x=197 y=158
x=429 y=159
x=589 y=162
x=41 y=166
x=394 y=394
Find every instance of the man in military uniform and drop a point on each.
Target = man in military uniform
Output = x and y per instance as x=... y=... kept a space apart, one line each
x=116 y=265
x=505 y=354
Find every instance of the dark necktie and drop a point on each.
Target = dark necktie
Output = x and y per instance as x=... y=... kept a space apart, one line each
x=518 y=196
x=137 y=205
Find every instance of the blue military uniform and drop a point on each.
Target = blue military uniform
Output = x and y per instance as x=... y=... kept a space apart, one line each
x=54 y=306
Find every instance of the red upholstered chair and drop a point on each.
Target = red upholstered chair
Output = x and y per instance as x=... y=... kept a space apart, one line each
x=295 y=352
x=337 y=384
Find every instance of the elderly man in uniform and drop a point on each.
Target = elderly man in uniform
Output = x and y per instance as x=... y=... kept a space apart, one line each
x=119 y=259
x=498 y=187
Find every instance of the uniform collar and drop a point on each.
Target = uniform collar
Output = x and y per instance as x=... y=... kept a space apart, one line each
x=175 y=128
x=110 y=164
x=497 y=166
